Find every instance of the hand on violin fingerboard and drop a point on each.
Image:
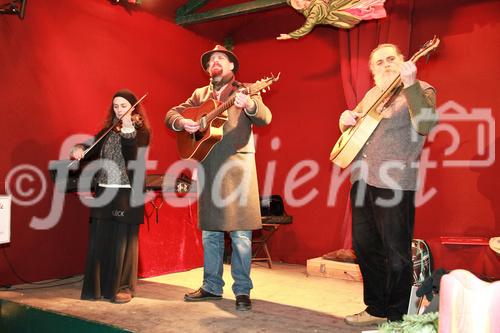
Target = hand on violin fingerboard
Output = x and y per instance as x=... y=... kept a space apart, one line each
x=127 y=121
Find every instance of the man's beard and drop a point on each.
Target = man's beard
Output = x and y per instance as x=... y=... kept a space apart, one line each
x=218 y=79
x=384 y=79
x=216 y=73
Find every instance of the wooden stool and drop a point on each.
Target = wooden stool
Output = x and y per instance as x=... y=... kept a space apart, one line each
x=269 y=226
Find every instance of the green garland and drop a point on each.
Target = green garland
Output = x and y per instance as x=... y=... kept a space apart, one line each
x=425 y=323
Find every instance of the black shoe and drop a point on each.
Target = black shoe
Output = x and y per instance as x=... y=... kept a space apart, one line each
x=200 y=295
x=243 y=303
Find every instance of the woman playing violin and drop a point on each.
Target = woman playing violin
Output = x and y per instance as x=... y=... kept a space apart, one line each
x=111 y=268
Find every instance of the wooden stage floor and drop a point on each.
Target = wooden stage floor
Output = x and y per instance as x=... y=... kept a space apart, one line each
x=284 y=300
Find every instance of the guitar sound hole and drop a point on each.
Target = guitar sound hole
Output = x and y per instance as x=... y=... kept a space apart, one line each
x=198 y=136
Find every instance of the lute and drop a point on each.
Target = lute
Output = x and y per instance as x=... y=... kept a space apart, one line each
x=354 y=138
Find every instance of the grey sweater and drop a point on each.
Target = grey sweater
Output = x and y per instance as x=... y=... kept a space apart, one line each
x=390 y=157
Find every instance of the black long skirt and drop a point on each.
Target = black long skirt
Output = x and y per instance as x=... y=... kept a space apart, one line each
x=112 y=259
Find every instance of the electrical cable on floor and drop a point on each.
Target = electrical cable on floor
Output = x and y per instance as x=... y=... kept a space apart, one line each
x=42 y=284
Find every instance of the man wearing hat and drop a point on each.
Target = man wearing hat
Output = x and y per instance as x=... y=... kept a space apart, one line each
x=229 y=201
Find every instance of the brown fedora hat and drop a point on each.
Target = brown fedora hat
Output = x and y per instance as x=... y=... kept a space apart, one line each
x=205 y=57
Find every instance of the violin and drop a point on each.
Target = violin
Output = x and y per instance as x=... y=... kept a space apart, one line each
x=137 y=122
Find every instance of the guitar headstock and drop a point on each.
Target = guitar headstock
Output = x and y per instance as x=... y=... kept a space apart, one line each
x=428 y=47
x=262 y=84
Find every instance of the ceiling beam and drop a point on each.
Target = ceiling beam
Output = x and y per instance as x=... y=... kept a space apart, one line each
x=190 y=7
x=214 y=14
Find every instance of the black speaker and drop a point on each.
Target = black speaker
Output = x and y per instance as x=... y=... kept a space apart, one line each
x=272 y=205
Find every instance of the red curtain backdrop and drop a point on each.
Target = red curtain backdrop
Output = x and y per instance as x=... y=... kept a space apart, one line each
x=60 y=65
x=357 y=43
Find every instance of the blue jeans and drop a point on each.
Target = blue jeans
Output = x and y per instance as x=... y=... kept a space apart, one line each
x=241 y=260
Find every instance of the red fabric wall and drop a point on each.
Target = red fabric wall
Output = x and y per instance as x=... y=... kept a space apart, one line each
x=465 y=203
x=60 y=65
x=59 y=68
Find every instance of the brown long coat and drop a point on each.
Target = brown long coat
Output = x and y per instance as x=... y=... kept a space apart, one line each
x=237 y=149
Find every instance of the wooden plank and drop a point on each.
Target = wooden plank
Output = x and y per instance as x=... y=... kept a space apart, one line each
x=333 y=269
x=243 y=8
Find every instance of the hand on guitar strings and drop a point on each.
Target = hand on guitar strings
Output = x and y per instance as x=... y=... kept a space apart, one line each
x=408 y=72
x=189 y=125
x=244 y=101
x=348 y=118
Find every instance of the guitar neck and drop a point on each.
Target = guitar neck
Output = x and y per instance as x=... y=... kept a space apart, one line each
x=251 y=90
x=395 y=86
x=221 y=108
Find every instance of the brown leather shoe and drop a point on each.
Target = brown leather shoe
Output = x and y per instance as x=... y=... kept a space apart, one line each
x=122 y=297
x=243 y=303
x=363 y=319
x=200 y=295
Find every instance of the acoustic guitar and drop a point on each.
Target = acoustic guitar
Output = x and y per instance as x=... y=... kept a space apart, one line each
x=354 y=138
x=211 y=120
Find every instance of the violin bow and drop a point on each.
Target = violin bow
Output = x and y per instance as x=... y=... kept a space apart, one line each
x=109 y=129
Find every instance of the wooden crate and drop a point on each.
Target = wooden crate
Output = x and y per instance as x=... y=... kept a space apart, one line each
x=333 y=269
